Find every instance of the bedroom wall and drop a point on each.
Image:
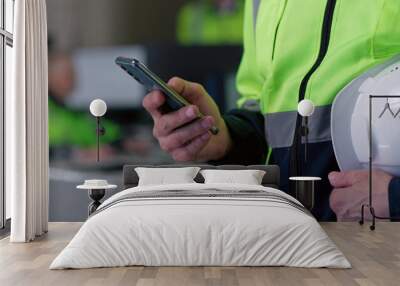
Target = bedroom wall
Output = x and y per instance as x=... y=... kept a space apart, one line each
x=87 y=36
x=83 y=23
x=74 y=25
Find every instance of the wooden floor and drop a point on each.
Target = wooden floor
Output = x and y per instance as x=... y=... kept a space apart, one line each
x=375 y=257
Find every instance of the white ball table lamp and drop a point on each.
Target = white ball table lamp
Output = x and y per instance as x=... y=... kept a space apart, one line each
x=98 y=108
x=305 y=186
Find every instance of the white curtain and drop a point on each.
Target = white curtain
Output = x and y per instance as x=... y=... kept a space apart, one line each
x=26 y=124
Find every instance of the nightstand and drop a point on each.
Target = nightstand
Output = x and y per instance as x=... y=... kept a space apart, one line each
x=96 y=191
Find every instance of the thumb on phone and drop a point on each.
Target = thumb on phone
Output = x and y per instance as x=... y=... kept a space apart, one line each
x=191 y=91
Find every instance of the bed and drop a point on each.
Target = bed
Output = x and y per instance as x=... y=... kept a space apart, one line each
x=197 y=224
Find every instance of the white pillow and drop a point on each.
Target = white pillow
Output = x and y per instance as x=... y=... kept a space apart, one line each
x=248 y=177
x=165 y=176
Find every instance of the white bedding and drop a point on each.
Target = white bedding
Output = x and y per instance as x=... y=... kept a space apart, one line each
x=219 y=231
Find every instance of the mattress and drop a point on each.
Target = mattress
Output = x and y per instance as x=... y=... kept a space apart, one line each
x=201 y=225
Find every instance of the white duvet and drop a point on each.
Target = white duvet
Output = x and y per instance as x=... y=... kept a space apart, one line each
x=200 y=231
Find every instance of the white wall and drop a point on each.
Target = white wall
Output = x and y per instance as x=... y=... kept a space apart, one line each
x=85 y=23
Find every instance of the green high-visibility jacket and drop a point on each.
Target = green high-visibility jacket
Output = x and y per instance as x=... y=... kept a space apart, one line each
x=295 y=49
x=282 y=42
x=199 y=23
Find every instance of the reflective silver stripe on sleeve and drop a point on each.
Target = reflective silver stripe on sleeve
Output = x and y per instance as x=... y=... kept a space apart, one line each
x=280 y=127
x=256 y=5
x=251 y=104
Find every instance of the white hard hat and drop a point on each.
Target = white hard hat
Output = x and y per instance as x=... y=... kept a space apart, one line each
x=350 y=120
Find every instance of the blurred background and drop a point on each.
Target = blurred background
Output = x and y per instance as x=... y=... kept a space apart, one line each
x=199 y=40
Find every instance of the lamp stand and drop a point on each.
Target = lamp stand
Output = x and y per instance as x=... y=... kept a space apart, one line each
x=100 y=131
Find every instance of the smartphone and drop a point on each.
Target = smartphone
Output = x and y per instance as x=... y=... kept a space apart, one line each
x=151 y=81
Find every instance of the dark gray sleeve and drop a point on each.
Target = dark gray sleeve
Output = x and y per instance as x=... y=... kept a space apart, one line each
x=246 y=129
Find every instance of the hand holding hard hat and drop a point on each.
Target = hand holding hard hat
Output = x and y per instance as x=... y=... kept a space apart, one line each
x=350 y=136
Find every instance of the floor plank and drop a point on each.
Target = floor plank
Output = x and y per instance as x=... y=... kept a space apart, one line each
x=375 y=257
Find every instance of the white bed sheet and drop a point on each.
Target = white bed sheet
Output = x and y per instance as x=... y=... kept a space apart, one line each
x=200 y=232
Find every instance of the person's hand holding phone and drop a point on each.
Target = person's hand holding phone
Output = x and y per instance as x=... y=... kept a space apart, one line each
x=181 y=133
